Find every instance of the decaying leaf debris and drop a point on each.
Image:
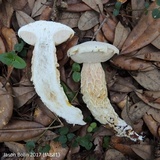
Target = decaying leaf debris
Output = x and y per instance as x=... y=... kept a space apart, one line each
x=132 y=79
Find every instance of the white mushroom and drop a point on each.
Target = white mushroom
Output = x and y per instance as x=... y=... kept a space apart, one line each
x=44 y=35
x=93 y=85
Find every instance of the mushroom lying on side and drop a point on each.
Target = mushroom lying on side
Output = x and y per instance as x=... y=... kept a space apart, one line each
x=44 y=35
x=93 y=85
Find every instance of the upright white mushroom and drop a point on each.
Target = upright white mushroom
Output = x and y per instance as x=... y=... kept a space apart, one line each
x=93 y=85
x=44 y=35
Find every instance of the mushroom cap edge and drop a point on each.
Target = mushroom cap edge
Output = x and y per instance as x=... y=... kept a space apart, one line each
x=32 y=31
x=92 y=52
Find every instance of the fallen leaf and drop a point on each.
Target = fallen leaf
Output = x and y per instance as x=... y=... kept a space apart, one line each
x=156 y=42
x=151 y=124
x=131 y=64
x=137 y=111
x=18 y=4
x=6 y=103
x=10 y=38
x=150 y=80
x=145 y=151
x=137 y=9
x=88 y=20
x=95 y=4
x=6 y=13
x=151 y=98
x=46 y=13
x=58 y=152
x=142 y=34
x=70 y=19
x=41 y=117
x=114 y=154
x=148 y=53
x=121 y=33
x=22 y=95
x=39 y=6
x=2 y=46
x=18 y=130
x=23 y=18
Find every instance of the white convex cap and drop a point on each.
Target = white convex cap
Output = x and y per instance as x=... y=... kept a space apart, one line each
x=92 y=52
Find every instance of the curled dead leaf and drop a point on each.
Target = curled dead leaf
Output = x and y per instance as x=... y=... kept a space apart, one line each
x=150 y=80
x=131 y=64
x=6 y=103
x=18 y=130
x=10 y=38
x=151 y=124
x=88 y=20
x=2 y=46
x=142 y=34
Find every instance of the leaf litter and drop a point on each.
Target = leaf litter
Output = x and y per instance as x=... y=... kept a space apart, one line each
x=133 y=82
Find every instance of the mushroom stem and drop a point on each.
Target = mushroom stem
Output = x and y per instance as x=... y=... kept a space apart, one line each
x=95 y=95
x=45 y=75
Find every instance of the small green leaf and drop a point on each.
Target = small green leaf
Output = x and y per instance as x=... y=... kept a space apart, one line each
x=70 y=136
x=76 y=76
x=45 y=149
x=118 y=5
x=156 y=13
x=19 y=46
x=62 y=139
x=76 y=67
x=93 y=125
x=115 y=12
x=63 y=130
x=106 y=141
x=69 y=93
x=18 y=62
x=158 y=2
x=11 y=59
x=30 y=145
x=146 y=5
x=89 y=129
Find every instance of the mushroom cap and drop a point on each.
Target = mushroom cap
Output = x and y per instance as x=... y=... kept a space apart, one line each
x=92 y=52
x=32 y=32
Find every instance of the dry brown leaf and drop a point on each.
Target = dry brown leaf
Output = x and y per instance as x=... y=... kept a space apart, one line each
x=6 y=103
x=18 y=130
x=70 y=19
x=152 y=98
x=154 y=113
x=137 y=111
x=131 y=64
x=137 y=9
x=23 y=18
x=88 y=20
x=97 y=5
x=148 y=53
x=156 y=42
x=18 y=4
x=119 y=144
x=121 y=33
x=151 y=124
x=98 y=34
x=59 y=151
x=150 y=80
x=39 y=6
x=46 y=13
x=6 y=12
x=145 y=151
x=114 y=154
x=22 y=95
x=143 y=33
x=10 y=38
x=41 y=117
x=2 y=46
